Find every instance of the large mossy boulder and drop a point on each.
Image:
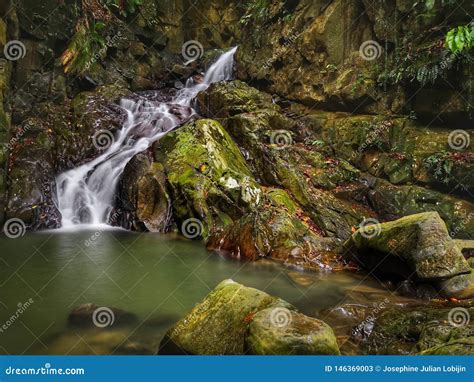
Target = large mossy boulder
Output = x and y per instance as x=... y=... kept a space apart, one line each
x=280 y=331
x=220 y=325
x=416 y=246
x=207 y=175
x=210 y=180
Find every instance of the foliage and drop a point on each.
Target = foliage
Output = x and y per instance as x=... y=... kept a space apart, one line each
x=424 y=64
x=460 y=39
x=84 y=45
x=125 y=8
x=440 y=166
x=88 y=43
x=255 y=11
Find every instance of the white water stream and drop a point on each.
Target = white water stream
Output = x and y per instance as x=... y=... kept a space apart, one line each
x=86 y=193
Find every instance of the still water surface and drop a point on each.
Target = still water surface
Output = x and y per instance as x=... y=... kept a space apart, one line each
x=157 y=277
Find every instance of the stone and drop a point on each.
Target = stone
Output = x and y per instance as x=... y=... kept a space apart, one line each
x=218 y=325
x=434 y=330
x=90 y=315
x=279 y=331
x=415 y=246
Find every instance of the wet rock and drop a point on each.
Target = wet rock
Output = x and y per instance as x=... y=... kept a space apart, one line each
x=32 y=187
x=459 y=287
x=143 y=193
x=207 y=175
x=218 y=324
x=416 y=246
x=277 y=227
x=436 y=330
x=90 y=315
x=392 y=202
x=94 y=120
x=280 y=331
x=221 y=322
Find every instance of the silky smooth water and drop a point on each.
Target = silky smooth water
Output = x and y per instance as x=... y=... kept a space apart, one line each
x=157 y=277
x=86 y=193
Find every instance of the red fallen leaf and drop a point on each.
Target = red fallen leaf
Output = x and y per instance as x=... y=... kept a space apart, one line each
x=452 y=299
x=353 y=229
x=248 y=318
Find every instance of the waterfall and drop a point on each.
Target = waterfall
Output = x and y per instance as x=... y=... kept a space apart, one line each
x=86 y=193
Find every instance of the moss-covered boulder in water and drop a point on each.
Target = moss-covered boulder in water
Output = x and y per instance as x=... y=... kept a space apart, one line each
x=235 y=319
x=218 y=324
x=417 y=246
x=280 y=331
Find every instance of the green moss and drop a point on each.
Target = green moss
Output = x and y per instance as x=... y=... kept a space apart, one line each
x=218 y=324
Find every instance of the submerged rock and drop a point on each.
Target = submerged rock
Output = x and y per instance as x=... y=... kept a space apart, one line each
x=416 y=246
x=220 y=324
x=89 y=315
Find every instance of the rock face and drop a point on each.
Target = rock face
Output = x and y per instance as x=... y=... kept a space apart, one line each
x=330 y=67
x=416 y=246
x=220 y=325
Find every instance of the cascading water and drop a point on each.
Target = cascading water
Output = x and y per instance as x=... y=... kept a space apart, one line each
x=86 y=193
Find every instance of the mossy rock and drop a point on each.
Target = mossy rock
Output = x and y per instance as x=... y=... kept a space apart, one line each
x=224 y=99
x=208 y=176
x=392 y=202
x=402 y=331
x=279 y=331
x=277 y=228
x=218 y=325
x=415 y=246
x=460 y=346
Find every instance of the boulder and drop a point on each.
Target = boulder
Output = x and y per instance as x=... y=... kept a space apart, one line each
x=280 y=331
x=416 y=246
x=207 y=175
x=143 y=194
x=221 y=322
x=277 y=228
x=460 y=287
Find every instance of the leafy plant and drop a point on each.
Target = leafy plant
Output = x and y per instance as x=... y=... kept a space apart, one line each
x=85 y=44
x=440 y=165
x=460 y=39
x=256 y=10
x=125 y=8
